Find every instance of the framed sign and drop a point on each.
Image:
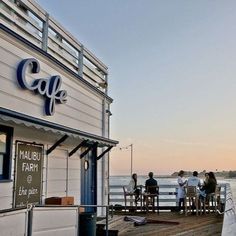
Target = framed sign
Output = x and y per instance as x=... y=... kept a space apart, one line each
x=28 y=173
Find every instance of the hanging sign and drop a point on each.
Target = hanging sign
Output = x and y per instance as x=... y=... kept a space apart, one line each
x=28 y=173
x=47 y=87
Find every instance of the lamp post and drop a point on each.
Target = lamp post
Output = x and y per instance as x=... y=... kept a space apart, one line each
x=131 y=157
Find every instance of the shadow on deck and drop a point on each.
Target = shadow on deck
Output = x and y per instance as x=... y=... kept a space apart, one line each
x=209 y=224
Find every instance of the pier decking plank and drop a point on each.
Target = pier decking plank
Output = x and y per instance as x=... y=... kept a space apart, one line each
x=208 y=224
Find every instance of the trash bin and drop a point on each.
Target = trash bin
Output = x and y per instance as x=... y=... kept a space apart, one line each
x=87 y=224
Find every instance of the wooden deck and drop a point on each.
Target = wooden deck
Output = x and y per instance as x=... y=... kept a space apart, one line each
x=208 y=224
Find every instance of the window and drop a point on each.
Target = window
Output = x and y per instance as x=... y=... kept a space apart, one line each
x=6 y=134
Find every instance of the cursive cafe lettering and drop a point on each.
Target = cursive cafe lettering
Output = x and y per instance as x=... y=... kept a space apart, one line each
x=49 y=88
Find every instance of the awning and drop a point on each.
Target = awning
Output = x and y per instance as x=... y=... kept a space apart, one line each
x=29 y=121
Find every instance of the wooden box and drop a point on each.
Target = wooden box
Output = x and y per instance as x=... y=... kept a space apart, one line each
x=59 y=201
x=81 y=209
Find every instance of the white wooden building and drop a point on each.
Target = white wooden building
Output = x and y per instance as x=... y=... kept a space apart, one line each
x=54 y=102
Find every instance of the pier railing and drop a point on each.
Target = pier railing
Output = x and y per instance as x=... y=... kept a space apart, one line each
x=167 y=196
x=29 y=20
x=229 y=224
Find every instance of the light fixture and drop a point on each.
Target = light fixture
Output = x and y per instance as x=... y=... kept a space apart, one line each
x=109 y=112
x=102 y=85
x=86 y=165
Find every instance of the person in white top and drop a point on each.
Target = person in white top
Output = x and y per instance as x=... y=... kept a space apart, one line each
x=181 y=192
x=132 y=187
x=194 y=180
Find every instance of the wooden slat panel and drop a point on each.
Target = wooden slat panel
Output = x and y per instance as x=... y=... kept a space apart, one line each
x=22 y=14
x=6 y=189
x=93 y=74
x=62 y=45
x=63 y=57
x=64 y=33
x=57 y=174
x=161 y=186
x=13 y=223
x=6 y=202
x=59 y=46
x=83 y=107
x=63 y=221
x=130 y=200
x=22 y=29
x=161 y=193
x=68 y=37
x=95 y=60
x=40 y=13
x=205 y=225
x=74 y=174
x=34 y=7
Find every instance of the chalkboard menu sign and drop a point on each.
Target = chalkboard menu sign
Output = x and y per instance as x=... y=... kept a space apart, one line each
x=28 y=173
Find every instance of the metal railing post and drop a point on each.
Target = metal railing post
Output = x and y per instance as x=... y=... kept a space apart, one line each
x=81 y=61
x=107 y=212
x=45 y=33
x=29 y=219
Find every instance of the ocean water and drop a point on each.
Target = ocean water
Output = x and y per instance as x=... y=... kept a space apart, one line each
x=124 y=180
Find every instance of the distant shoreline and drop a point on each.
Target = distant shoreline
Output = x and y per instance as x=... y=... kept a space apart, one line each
x=170 y=176
x=231 y=174
x=156 y=176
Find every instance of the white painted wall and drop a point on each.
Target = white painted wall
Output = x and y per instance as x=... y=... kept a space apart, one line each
x=6 y=197
x=57 y=173
x=83 y=110
x=63 y=221
x=54 y=167
x=74 y=179
x=13 y=223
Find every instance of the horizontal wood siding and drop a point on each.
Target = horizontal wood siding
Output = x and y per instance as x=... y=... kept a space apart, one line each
x=64 y=178
x=6 y=195
x=83 y=109
x=57 y=164
x=28 y=19
x=13 y=223
x=74 y=179
x=59 y=53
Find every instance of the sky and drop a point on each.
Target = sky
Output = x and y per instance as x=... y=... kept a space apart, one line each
x=172 y=76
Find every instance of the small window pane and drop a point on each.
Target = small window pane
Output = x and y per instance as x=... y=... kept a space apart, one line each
x=3 y=139
x=1 y=164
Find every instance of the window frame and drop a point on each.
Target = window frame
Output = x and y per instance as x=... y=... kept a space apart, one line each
x=7 y=156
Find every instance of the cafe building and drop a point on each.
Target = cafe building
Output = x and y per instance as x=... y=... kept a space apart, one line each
x=54 y=112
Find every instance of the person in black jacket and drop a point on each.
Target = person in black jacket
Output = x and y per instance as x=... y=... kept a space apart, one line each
x=209 y=186
x=150 y=182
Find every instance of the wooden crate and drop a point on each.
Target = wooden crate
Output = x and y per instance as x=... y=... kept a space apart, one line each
x=59 y=201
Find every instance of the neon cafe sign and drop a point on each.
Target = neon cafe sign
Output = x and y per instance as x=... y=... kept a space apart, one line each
x=47 y=87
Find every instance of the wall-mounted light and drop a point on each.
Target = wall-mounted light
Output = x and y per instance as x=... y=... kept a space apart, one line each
x=102 y=85
x=86 y=165
x=109 y=112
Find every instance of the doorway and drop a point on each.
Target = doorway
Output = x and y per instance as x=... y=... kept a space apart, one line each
x=89 y=180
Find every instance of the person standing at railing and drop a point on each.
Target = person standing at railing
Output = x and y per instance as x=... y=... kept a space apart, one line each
x=206 y=179
x=181 y=193
x=209 y=186
x=132 y=187
x=195 y=182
